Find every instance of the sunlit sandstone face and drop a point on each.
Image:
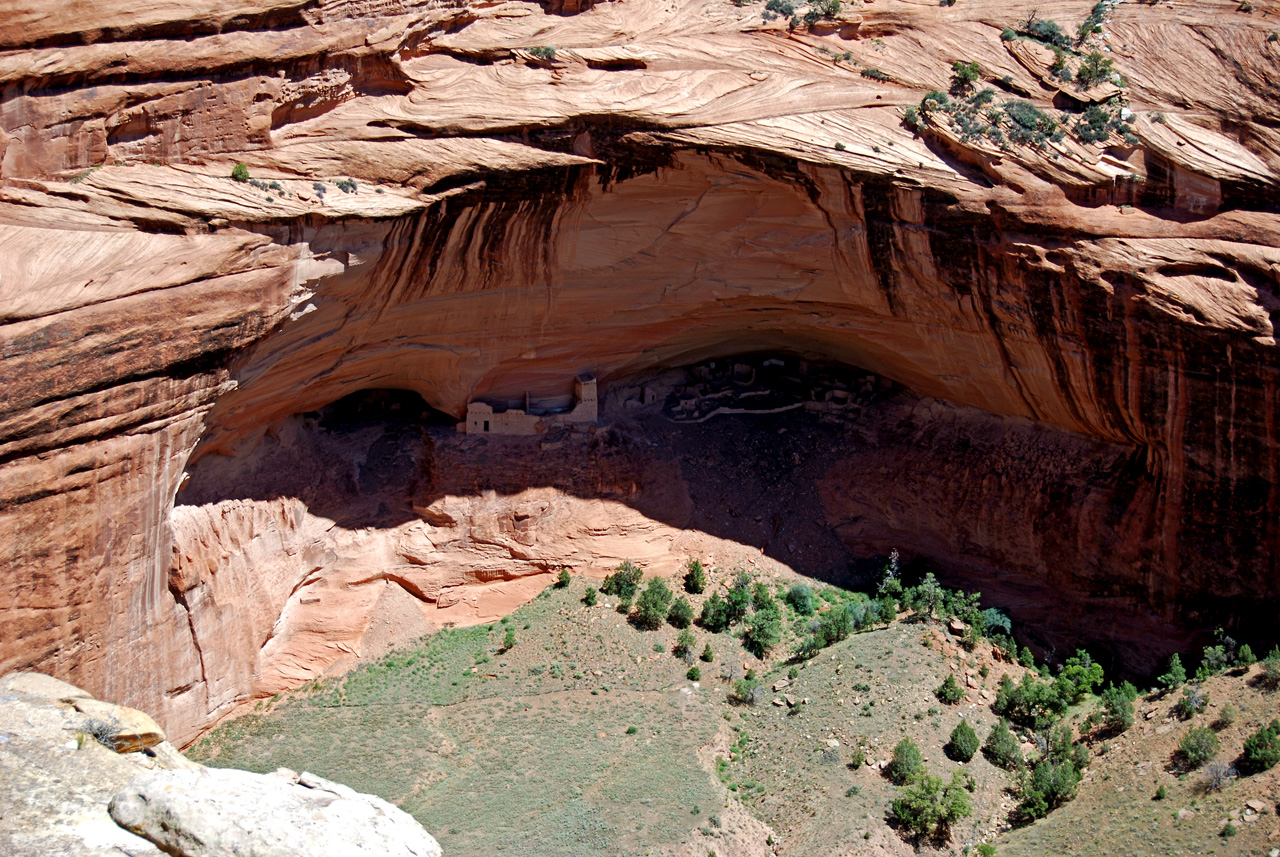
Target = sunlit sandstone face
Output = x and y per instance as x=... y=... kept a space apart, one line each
x=668 y=191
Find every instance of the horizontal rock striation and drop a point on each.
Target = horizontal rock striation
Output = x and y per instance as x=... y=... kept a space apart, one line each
x=673 y=183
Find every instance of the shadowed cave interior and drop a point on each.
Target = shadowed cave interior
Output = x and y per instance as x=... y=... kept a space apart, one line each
x=822 y=467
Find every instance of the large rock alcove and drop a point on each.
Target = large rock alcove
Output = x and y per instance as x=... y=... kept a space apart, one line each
x=1085 y=362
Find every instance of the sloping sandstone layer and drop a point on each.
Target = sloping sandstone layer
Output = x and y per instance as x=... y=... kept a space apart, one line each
x=678 y=181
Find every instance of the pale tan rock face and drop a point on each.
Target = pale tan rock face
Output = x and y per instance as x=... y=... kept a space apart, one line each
x=668 y=189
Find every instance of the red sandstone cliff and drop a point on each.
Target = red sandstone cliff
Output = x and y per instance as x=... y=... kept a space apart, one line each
x=681 y=181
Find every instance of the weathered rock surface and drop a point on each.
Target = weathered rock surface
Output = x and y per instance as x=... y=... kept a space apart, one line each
x=227 y=813
x=56 y=779
x=41 y=686
x=668 y=188
x=63 y=792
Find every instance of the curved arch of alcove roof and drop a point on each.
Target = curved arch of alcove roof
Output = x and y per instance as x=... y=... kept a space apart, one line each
x=285 y=381
x=519 y=289
x=836 y=349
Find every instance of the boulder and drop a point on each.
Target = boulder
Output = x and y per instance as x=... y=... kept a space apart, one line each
x=130 y=730
x=228 y=813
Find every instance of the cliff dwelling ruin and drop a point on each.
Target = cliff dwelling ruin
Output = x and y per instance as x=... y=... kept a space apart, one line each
x=537 y=415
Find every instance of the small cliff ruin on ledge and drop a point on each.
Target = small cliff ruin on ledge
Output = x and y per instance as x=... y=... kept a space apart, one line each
x=470 y=200
x=537 y=416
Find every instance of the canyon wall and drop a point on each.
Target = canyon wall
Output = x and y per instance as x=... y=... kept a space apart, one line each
x=434 y=208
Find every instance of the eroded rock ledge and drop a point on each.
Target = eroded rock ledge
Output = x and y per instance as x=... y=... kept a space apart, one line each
x=667 y=188
x=88 y=777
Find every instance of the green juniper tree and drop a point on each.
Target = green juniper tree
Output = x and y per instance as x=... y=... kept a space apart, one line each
x=1261 y=749
x=1117 y=703
x=1175 y=676
x=715 y=614
x=1094 y=70
x=739 y=600
x=949 y=691
x=1198 y=746
x=964 y=75
x=624 y=581
x=653 y=604
x=906 y=765
x=1001 y=748
x=800 y=597
x=681 y=613
x=963 y=743
x=929 y=595
x=685 y=642
x=928 y=806
x=765 y=630
x=695 y=578
x=1270 y=678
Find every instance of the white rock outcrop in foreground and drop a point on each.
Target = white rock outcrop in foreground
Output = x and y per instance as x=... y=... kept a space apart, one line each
x=57 y=781
x=226 y=813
